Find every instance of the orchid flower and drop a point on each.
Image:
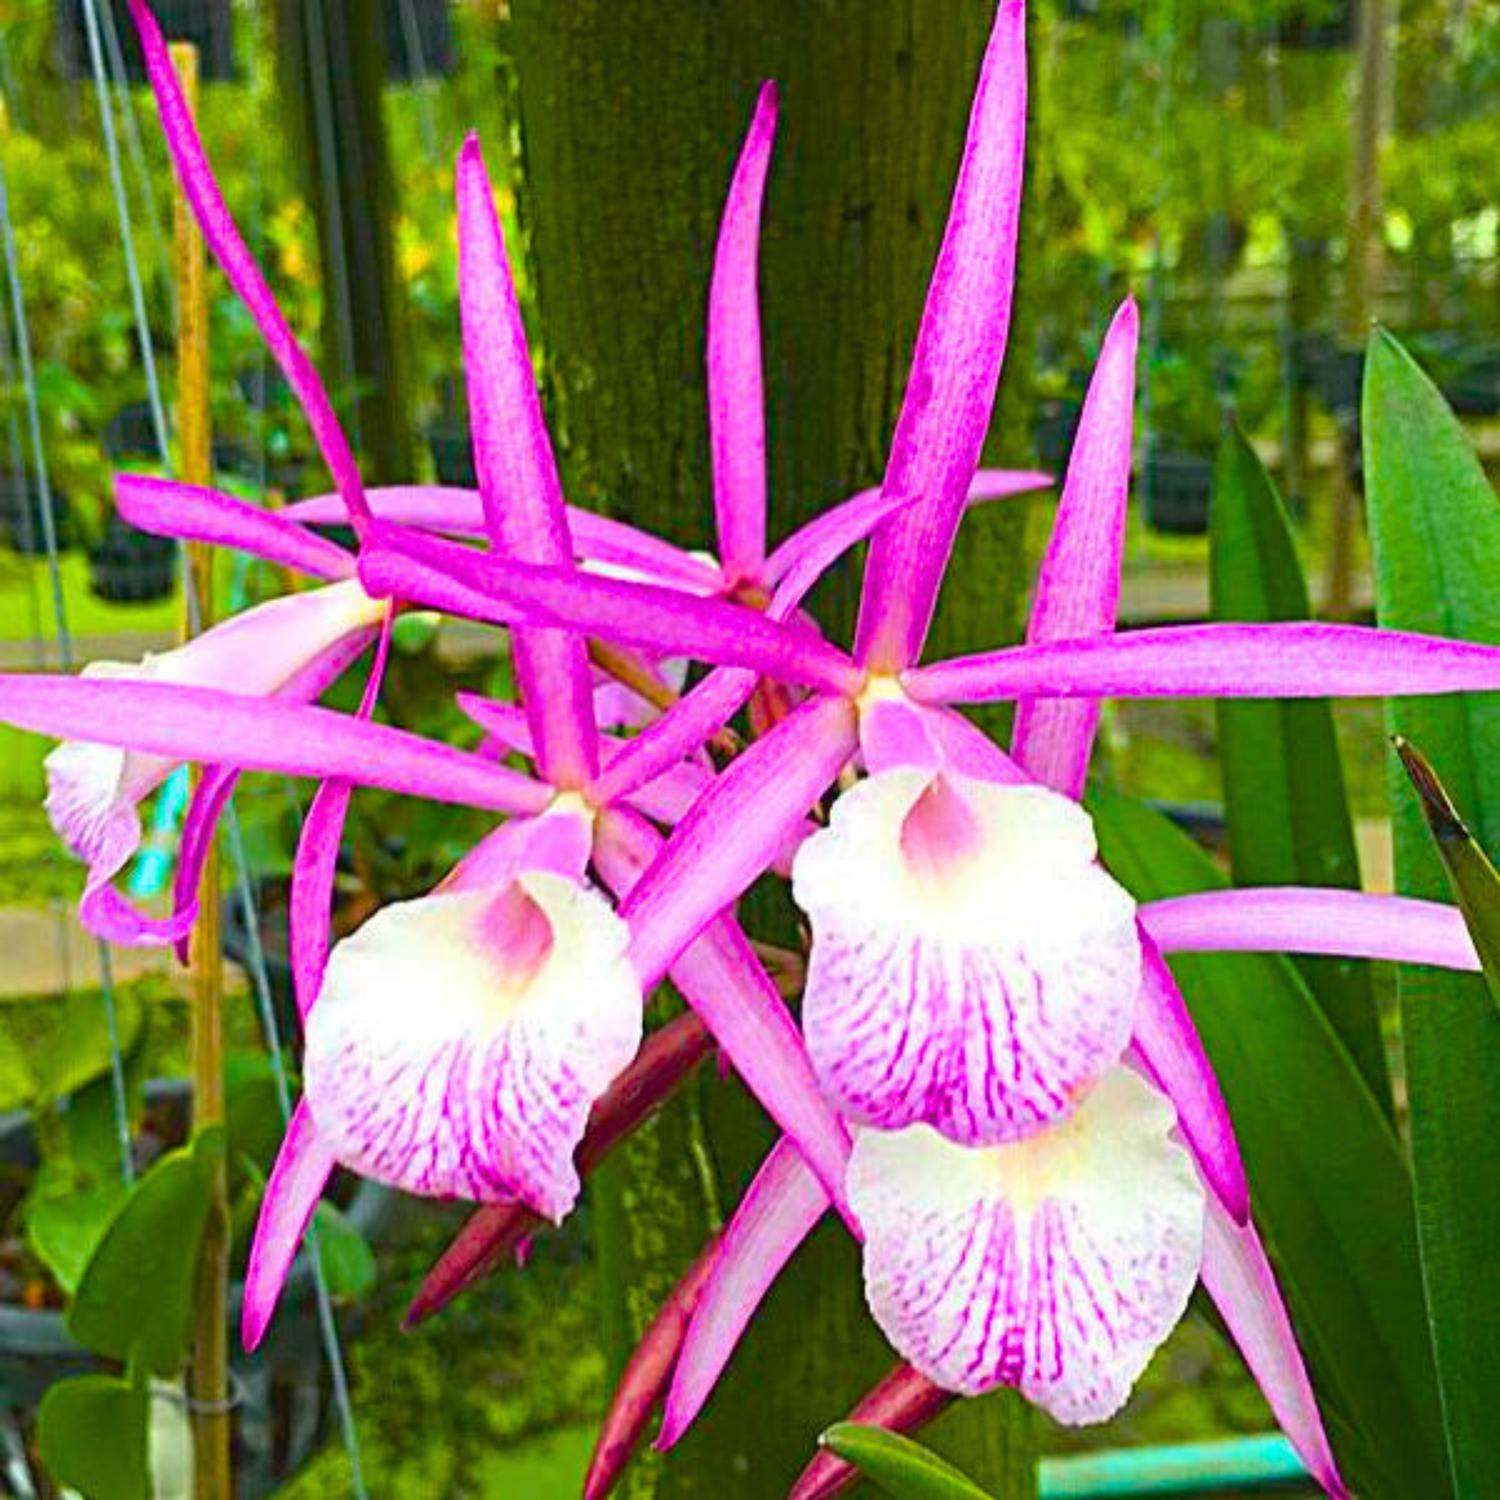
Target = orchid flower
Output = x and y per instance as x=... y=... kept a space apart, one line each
x=1042 y=1164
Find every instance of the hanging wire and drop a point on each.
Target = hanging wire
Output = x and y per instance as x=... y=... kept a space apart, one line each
x=22 y=334
x=411 y=35
x=260 y=983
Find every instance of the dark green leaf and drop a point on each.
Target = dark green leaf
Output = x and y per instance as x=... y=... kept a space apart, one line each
x=1475 y=881
x=348 y=1261
x=138 y=1289
x=905 y=1469
x=1330 y=1188
x=1284 y=799
x=1435 y=534
x=93 y=1431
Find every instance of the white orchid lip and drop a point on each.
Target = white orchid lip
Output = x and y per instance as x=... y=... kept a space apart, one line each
x=1056 y=1264
x=461 y=1039
x=972 y=967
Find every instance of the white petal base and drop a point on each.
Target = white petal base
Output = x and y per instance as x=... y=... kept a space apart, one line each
x=973 y=968
x=1056 y=1265
x=444 y=1065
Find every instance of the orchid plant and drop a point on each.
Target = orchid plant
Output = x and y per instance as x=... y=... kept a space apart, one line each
x=995 y=1082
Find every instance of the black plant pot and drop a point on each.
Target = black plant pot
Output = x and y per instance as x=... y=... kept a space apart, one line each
x=133 y=567
x=1336 y=372
x=36 y=1348
x=1176 y=492
x=1328 y=30
x=131 y=433
x=21 y=515
x=208 y=24
x=418 y=40
x=453 y=454
x=1056 y=423
x=1474 y=389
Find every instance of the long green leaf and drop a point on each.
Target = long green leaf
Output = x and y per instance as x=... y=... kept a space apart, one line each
x=1285 y=803
x=1435 y=532
x=904 y=1468
x=1331 y=1192
x=1475 y=880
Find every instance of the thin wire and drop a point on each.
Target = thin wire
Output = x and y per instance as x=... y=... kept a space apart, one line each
x=22 y=333
x=255 y=961
x=411 y=35
x=127 y=236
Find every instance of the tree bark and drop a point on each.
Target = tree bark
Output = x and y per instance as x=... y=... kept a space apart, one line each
x=631 y=118
x=332 y=66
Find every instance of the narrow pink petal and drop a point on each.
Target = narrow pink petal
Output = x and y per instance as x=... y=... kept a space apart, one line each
x=209 y=799
x=971 y=751
x=303 y=1165
x=720 y=977
x=313 y=872
x=734 y=831
x=1078 y=589
x=780 y=1209
x=1299 y=919
x=215 y=727
x=517 y=473
x=1167 y=1043
x=683 y=729
x=111 y=918
x=664 y=621
x=1237 y=1275
x=857 y=516
x=1218 y=661
x=736 y=398
x=459 y=512
x=166 y=508
x=645 y=1379
x=956 y=365
x=239 y=266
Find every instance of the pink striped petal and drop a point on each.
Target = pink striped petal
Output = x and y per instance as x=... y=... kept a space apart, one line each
x=1056 y=1264
x=429 y=507
x=734 y=831
x=221 y=236
x=303 y=1167
x=166 y=508
x=663 y=621
x=1167 y=1044
x=1078 y=589
x=720 y=977
x=1218 y=661
x=176 y=723
x=1297 y=919
x=460 y=1040
x=956 y=365
x=973 y=968
x=780 y=1209
x=199 y=824
x=736 y=398
x=1237 y=1275
x=517 y=472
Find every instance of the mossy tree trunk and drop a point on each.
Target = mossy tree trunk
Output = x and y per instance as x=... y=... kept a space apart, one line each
x=631 y=118
x=331 y=63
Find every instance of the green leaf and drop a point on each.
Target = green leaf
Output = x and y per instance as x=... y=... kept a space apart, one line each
x=904 y=1468
x=1435 y=535
x=1331 y=1191
x=66 y=1218
x=93 y=1431
x=138 y=1289
x=1475 y=881
x=348 y=1261
x=1285 y=803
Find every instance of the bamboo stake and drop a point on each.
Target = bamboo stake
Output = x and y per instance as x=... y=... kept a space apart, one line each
x=209 y=1368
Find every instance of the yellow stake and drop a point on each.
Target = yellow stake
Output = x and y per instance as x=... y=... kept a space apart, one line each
x=209 y=1368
